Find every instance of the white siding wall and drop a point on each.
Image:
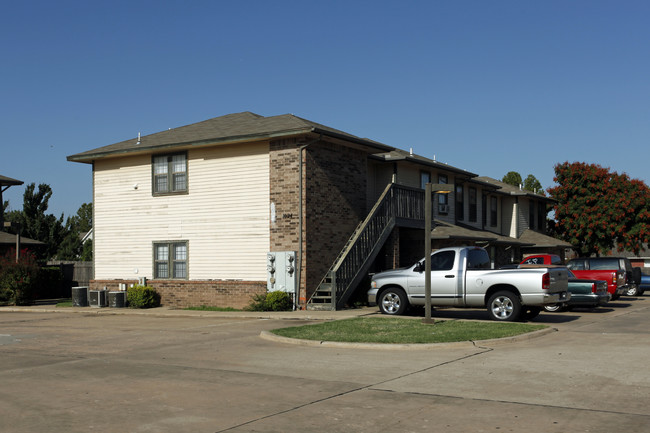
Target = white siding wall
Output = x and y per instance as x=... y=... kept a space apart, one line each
x=224 y=218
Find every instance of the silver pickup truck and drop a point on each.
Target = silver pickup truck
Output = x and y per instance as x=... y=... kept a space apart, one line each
x=462 y=277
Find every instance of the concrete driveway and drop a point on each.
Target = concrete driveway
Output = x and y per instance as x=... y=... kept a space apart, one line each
x=83 y=372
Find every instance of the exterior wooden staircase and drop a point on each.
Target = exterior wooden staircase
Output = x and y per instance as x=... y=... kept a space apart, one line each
x=398 y=205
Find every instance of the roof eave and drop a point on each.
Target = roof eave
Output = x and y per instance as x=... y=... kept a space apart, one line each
x=90 y=157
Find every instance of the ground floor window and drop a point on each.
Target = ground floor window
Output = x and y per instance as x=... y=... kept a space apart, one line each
x=170 y=260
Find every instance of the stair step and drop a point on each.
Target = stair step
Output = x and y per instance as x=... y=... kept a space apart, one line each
x=317 y=298
x=320 y=307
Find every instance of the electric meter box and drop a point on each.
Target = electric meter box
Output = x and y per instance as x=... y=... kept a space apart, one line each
x=281 y=269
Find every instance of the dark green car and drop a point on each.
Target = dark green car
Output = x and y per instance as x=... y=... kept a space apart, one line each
x=584 y=294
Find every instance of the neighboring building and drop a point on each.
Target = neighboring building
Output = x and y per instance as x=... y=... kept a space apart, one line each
x=195 y=210
x=523 y=216
x=5 y=183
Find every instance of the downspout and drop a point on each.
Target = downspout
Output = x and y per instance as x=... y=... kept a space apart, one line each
x=300 y=221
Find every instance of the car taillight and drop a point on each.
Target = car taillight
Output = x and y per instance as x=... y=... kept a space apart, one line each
x=614 y=278
x=546 y=281
x=594 y=288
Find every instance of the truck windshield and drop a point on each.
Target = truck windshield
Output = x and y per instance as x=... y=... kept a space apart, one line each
x=478 y=259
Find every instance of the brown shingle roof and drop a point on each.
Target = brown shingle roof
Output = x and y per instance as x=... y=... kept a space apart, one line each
x=229 y=128
x=10 y=239
x=542 y=240
x=7 y=181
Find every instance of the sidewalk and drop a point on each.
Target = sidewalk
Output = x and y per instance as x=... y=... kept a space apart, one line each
x=173 y=312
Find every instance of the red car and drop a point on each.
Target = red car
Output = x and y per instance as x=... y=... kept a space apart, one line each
x=542 y=259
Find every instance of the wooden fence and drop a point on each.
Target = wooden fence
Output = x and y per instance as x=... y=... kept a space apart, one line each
x=74 y=274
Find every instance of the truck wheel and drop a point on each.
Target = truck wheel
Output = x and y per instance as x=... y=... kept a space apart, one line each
x=529 y=313
x=504 y=306
x=554 y=308
x=393 y=301
x=633 y=290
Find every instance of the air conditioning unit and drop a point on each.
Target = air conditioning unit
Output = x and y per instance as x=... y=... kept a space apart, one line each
x=117 y=299
x=97 y=298
x=443 y=208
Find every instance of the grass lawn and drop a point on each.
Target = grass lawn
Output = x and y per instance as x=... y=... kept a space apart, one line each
x=395 y=330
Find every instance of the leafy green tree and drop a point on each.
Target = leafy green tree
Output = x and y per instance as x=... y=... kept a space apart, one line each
x=532 y=184
x=598 y=209
x=75 y=227
x=36 y=223
x=512 y=178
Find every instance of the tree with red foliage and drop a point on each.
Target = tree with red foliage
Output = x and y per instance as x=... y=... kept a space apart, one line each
x=598 y=210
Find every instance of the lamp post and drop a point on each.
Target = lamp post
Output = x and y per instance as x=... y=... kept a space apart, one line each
x=429 y=189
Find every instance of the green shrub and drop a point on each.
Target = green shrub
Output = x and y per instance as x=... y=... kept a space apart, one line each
x=140 y=296
x=18 y=280
x=271 y=301
x=49 y=282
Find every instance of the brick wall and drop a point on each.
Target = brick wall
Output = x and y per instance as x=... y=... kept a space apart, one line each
x=182 y=294
x=335 y=200
x=284 y=172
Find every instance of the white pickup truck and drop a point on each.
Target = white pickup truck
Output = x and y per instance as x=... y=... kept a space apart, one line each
x=462 y=277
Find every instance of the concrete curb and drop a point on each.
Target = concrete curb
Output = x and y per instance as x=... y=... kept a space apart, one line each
x=300 y=315
x=266 y=335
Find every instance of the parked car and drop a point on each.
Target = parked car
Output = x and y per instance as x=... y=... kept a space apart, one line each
x=461 y=277
x=617 y=271
x=584 y=293
x=542 y=259
x=645 y=284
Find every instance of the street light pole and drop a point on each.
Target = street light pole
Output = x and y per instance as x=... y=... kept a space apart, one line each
x=429 y=189
x=428 y=192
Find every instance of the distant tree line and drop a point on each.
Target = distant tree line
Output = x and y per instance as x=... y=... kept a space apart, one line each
x=62 y=240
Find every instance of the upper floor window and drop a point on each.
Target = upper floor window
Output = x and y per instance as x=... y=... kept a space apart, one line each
x=425 y=177
x=541 y=217
x=493 y=211
x=531 y=215
x=460 y=203
x=443 y=199
x=473 y=211
x=170 y=173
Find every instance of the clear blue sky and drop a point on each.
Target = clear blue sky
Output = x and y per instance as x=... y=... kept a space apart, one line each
x=487 y=86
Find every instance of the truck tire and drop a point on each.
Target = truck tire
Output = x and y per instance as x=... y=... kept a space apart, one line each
x=555 y=308
x=529 y=313
x=504 y=306
x=393 y=301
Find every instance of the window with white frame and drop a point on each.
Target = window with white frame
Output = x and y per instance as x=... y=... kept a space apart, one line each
x=169 y=174
x=170 y=260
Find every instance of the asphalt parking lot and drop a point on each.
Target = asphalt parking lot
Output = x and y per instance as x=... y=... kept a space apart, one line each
x=79 y=371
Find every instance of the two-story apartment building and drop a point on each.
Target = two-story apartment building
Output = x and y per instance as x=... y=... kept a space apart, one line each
x=196 y=210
